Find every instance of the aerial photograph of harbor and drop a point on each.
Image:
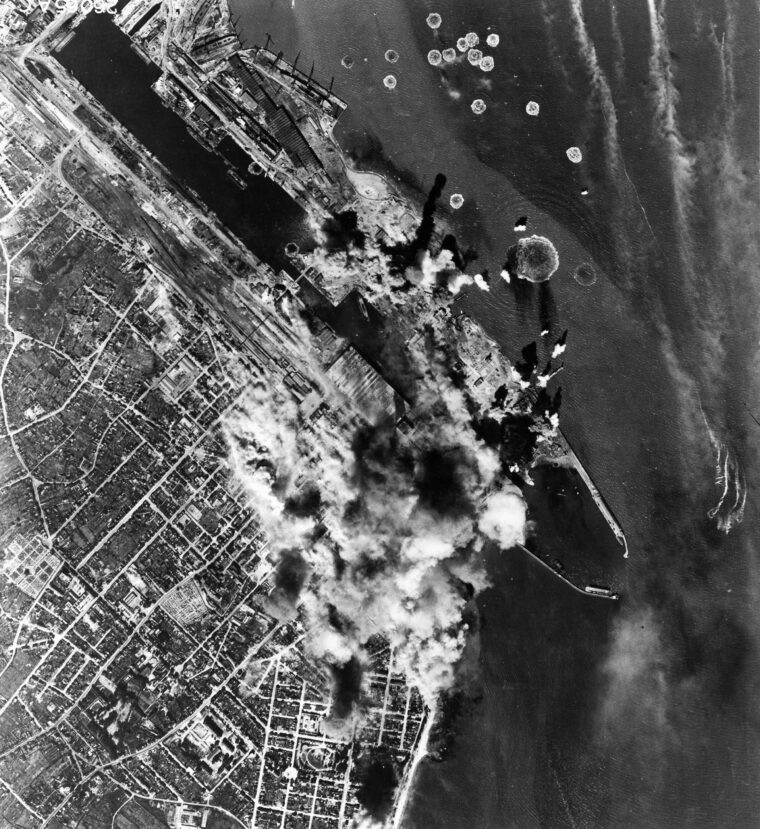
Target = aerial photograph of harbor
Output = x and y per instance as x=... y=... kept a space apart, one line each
x=380 y=396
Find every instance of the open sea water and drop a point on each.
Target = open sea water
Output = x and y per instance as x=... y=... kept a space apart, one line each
x=588 y=714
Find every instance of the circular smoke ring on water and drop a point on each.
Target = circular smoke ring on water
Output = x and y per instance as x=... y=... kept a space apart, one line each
x=585 y=274
x=533 y=258
x=474 y=56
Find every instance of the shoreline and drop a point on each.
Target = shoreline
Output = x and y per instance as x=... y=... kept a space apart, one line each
x=420 y=752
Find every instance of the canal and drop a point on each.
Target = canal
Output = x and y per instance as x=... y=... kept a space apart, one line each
x=263 y=216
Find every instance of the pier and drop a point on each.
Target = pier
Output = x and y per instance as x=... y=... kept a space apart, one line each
x=598 y=499
x=591 y=590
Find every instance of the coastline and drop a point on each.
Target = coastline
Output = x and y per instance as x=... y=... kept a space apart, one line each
x=580 y=713
x=645 y=356
x=401 y=804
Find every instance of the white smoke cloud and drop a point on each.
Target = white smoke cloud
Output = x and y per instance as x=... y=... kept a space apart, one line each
x=480 y=281
x=162 y=308
x=371 y=268
x=362 y=820
x=633 y=715
x=374 y=531
x=503 y=519
x=404 y=542
x=263 y=453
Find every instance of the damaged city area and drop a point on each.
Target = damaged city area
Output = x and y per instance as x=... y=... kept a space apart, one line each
x=248 y=473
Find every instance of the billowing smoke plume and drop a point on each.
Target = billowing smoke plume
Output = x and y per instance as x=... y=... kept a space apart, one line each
x=376 y=524
x=390 y=272
x=373 y=531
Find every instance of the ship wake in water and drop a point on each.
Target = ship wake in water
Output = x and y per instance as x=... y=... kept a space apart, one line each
x=729 y=511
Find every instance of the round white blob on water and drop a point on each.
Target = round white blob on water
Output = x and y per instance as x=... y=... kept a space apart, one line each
x=434 y=57
x=449 y=55
x=433 y=20
x=486 y=63
x=474 y=56
x=462 y=45
x=478 y=106
x=391 y=56
x=472 y=39
x=389 y=81
x=456 y=200
x=532 y=108
x=574 y=154
x=492 y=40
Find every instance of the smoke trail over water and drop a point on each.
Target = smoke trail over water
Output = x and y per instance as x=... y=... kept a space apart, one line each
x=672 y=714
x=727 y=45
x=684 y=649
x=666 y=121
x=557 y=54
x=617 y=37
x=617 y=172
x=601 y=86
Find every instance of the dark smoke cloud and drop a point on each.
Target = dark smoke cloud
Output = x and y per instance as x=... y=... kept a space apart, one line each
x=405 y=255
x=402 y=518
x=347 y=687
x=378 y=779
x=380 y=530
x=341 y=232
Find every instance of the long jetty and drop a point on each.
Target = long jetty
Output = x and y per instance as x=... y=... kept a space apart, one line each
x=598 y=499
